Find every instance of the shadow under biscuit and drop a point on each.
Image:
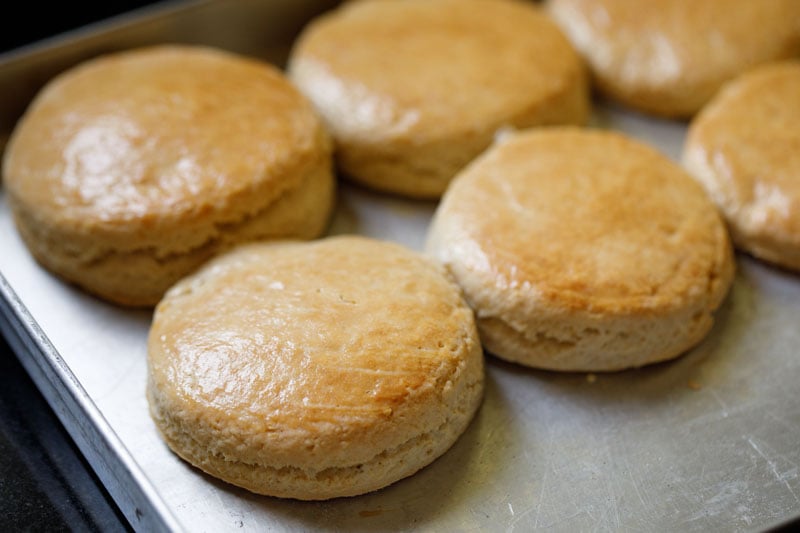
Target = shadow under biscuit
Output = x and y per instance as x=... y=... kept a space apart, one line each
x=454 y=485
x=380 y=215
x=656 y=383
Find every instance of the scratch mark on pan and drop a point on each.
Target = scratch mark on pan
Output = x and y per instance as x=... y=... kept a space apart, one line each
x=566 y=519
x=636 y=488
x=614 y=506
x=774 y=468
x=611 y=487
x=517 y=519
x=633 y=480
x=541 y=495
x=510 y=509
x=720 y=402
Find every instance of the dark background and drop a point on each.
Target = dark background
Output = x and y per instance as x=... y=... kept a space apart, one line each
x=45 y=484
x=33 y=21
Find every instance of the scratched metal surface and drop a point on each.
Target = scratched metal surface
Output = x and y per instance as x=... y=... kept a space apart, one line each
x=707 y=442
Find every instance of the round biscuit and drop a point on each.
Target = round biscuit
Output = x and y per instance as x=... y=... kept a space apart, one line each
x=669 y=57
x=744 y=147
x=414 y=90
x=130 y=170
x=583 y=250
x=314 y=370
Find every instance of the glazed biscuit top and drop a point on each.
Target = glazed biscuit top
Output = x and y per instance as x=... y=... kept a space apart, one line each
x=158 y=137
x=750 y=136
x=675 y=41
x=431 y=67
x=585 y=220
x=302 y=344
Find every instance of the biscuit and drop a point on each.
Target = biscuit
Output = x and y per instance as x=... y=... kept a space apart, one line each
x=669 y=57
x=314 y=370
x=744 y=147
x=130 y=170
x=414 y=90
x=583 y=250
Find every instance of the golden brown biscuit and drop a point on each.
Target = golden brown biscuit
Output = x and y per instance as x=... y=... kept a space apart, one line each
x=744 y=147
x=669 y=57
x=413 y=90
x=583 y=250
x=314 y=370
x=129 y=171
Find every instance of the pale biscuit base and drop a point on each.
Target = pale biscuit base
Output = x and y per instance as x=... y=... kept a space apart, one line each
x=669 y=57
x=314 y=370
x=140 y=277
x=583 y=250
x=130 y=170
x=744 y=147
x=412 y=91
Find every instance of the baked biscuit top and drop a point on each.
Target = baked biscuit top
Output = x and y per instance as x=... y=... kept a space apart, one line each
x=160 y=144
x=308 y=348
x=745 y=147
x=427 y=69
x=583 y=220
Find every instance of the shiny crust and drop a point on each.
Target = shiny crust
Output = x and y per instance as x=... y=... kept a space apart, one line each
x=414 y=90
x=314 y=370
x=669 y=57
x=162 y=157
x=744 y=147
x=583 y=250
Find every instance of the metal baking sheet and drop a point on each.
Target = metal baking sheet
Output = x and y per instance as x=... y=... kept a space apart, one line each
x=710 y=441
